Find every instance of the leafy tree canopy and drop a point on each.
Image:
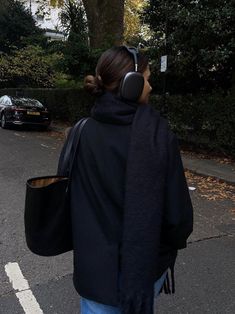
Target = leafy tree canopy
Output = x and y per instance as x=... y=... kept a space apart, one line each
x=73 y=19
x=198 y=36
x=28 y=66
x=17 y=26
x=132 y=20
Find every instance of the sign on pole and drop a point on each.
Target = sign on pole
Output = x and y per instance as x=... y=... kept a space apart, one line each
x=163 y=63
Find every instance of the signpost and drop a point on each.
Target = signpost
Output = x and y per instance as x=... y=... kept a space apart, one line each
x=163 y=63
x=163 y=69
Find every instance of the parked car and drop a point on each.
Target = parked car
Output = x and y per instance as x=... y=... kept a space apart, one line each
x=23 y=111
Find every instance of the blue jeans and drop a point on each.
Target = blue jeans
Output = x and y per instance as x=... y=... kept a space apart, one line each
x=91 y=307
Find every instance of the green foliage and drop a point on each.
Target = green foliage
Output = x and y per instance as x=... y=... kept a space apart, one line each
x=28 y=66
x=205 y=120
x=76 y=50
x=56 y=46
x=17 y=27
x=73 y=19
x=62 y=80
x=198 y=37
x=76 y=56
x=56 y=3
x=79 y=59
x=133 y=28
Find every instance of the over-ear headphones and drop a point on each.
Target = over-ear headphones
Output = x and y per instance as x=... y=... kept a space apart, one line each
x=132 y=83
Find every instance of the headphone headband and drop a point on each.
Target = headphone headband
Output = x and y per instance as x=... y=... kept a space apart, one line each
x=134 y=52
x=132 y=83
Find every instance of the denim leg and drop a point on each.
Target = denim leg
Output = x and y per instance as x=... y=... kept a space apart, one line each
x=91 y=307
x=158 y=284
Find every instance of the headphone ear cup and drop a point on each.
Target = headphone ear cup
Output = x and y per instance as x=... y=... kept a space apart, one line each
x=132 y=86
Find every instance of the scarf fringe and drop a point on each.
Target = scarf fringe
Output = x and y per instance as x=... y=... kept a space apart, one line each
x=137 y=303
x=167 y=287
x=141 y=303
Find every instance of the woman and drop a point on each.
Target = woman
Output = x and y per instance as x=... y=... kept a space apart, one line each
x=131 y=209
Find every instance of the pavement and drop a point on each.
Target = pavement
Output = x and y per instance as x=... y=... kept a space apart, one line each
x=205 y=167
x=205 y=277
x=210 y=167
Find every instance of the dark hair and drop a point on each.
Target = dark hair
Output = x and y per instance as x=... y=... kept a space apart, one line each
x=112 y=66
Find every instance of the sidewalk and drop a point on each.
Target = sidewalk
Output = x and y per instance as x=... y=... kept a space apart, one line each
x=210 y=167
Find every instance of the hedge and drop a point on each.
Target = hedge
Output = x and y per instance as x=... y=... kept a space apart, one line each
x=205 y=120
x=64 y=104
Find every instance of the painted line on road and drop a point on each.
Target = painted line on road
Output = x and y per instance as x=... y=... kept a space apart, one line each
x=24 y=294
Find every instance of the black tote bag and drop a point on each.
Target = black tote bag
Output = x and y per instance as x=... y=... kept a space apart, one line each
x=47 y=217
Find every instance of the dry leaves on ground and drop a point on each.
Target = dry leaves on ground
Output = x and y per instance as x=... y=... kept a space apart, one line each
x=221 y=160
x=55 y=134
x=211 y=188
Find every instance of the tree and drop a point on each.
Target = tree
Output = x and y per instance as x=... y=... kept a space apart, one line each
x=73 y=19
x=17 y=26
x=198 y=37
x=105 y=22
x=105 y=19
x=77 y=50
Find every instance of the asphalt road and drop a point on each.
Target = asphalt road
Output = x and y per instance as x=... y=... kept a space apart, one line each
x=205 y=277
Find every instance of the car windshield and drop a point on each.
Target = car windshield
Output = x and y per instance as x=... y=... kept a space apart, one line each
x=26 y=102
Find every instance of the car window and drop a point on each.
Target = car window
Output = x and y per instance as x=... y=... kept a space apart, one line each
x=26 y=102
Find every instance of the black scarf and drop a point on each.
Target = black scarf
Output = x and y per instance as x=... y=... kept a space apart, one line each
x=144 y=197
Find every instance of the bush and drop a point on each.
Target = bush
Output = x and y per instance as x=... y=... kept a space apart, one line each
x=62 y=80
x=205 y=120
x=28 y=66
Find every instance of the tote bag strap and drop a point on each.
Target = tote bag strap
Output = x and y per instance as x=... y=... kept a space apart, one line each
x=73 y=141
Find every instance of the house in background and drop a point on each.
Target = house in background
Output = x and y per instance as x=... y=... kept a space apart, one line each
x=46 y=17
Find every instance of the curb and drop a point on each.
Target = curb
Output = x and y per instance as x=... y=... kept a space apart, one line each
x=200 y=173
x=210 y=168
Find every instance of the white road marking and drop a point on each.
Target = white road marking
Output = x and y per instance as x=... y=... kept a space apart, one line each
x=24 y=294
x=17 y=134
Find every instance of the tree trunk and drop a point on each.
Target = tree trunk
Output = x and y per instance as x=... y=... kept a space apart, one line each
x=105 y=22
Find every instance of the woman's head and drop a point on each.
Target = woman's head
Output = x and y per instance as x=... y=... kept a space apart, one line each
x=112 y=66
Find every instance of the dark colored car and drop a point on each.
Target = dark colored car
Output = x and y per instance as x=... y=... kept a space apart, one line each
x=23 y=111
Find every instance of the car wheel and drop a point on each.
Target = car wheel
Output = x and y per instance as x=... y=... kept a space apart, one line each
x=3 y=121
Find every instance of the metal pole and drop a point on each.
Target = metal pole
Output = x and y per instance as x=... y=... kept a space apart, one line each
x=30 y=6
x=164 y=104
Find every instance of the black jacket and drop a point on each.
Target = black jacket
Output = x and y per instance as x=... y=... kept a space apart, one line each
x=97 y=193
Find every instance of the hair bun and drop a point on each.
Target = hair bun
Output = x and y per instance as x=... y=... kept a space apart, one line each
x=93 y=85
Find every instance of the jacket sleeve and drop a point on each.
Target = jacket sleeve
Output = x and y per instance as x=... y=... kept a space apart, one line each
x=178 y=213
